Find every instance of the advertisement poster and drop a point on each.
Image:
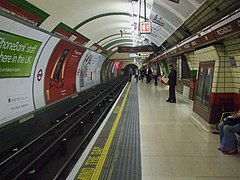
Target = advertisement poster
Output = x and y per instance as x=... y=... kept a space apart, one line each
x=17 y=55
x=60 y=77
x=109 y=70
x=86 y=70
x=20 y=47
x=97 y=68
x=107 y=73
x=103 y=71
x=89 y=70
x=40 y=70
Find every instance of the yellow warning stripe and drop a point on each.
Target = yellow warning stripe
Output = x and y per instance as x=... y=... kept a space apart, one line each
x=103 y=156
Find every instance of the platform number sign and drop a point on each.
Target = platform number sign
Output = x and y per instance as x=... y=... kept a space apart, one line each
x=145 y=27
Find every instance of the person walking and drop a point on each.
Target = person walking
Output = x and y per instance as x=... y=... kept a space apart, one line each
x=172 y=82
x=155 y=75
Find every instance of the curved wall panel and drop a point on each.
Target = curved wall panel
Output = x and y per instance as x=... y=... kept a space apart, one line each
x=38 y=68
x=60 y=76
x=38 y=86
x=20 y=48
x=88 y=73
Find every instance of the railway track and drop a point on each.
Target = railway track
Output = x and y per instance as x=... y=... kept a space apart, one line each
x=52 y=154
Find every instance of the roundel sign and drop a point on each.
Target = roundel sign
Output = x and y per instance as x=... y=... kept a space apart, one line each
x=39 y=75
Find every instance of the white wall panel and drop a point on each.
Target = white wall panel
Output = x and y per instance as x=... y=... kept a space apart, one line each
x=38 y=87
x=16 y=97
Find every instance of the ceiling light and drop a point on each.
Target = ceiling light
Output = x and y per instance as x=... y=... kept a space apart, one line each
x=176 y=1
x=132 y=1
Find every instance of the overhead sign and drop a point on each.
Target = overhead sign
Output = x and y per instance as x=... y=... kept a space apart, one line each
x=145 y=27
x=134 y=49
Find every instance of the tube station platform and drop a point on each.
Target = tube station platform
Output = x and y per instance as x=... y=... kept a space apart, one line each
x=145 y=137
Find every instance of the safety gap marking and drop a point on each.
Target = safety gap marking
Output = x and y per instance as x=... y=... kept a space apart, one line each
x=79 y=164
x=103 y=156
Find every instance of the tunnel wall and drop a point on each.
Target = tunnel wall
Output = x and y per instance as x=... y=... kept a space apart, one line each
x=38 y=69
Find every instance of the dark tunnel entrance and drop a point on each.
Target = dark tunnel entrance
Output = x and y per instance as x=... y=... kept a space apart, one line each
x=133 y=66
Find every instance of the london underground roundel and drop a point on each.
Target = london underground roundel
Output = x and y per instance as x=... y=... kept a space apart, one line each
x=39 y=75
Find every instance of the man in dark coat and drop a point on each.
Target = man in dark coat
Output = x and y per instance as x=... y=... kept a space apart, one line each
x=172 y=82
x=148 y=74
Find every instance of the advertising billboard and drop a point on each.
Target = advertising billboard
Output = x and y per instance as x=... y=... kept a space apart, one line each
x=20 y=48
x=89 y=68
x=60 y=75
x=17 y=55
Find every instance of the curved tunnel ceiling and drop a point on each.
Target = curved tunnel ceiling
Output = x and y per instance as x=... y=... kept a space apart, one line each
x=102 y=20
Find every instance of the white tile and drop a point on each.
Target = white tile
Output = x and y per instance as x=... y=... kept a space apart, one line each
x=173 y=145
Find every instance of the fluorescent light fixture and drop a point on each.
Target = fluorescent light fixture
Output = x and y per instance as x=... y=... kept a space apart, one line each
x=132 y=1
x=175 y=1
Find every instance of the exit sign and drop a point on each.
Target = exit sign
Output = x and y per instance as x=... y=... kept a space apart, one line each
x=145 y=27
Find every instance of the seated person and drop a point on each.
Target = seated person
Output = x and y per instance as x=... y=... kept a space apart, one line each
x=227 y=132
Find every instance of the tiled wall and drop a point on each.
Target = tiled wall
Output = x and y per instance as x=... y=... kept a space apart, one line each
x=186 y=91
x=226 y=78
x=232 y=75
x=205 y=54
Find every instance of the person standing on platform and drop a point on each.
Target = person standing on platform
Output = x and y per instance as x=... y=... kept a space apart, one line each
x=172 y=82
x=142 y=73
x=155 y=75
x=136 y=75
x=148 y=74
x=130 y=73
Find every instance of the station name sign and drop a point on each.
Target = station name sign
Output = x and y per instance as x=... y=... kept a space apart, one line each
x=135 y=49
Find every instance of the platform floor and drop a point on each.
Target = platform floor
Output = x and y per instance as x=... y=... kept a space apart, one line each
x=174 y=142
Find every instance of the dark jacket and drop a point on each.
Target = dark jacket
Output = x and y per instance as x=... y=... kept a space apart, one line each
x=148 y=72
x=172 y=78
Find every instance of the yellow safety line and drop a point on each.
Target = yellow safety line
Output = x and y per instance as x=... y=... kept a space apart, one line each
x=103 y=156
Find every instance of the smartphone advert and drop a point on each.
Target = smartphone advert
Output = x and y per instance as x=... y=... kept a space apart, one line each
x=60 y=77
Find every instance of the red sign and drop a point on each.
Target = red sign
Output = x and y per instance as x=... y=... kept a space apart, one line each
x=67 y=32
x=24 y=11
x=60 y=76
x=145 y=27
